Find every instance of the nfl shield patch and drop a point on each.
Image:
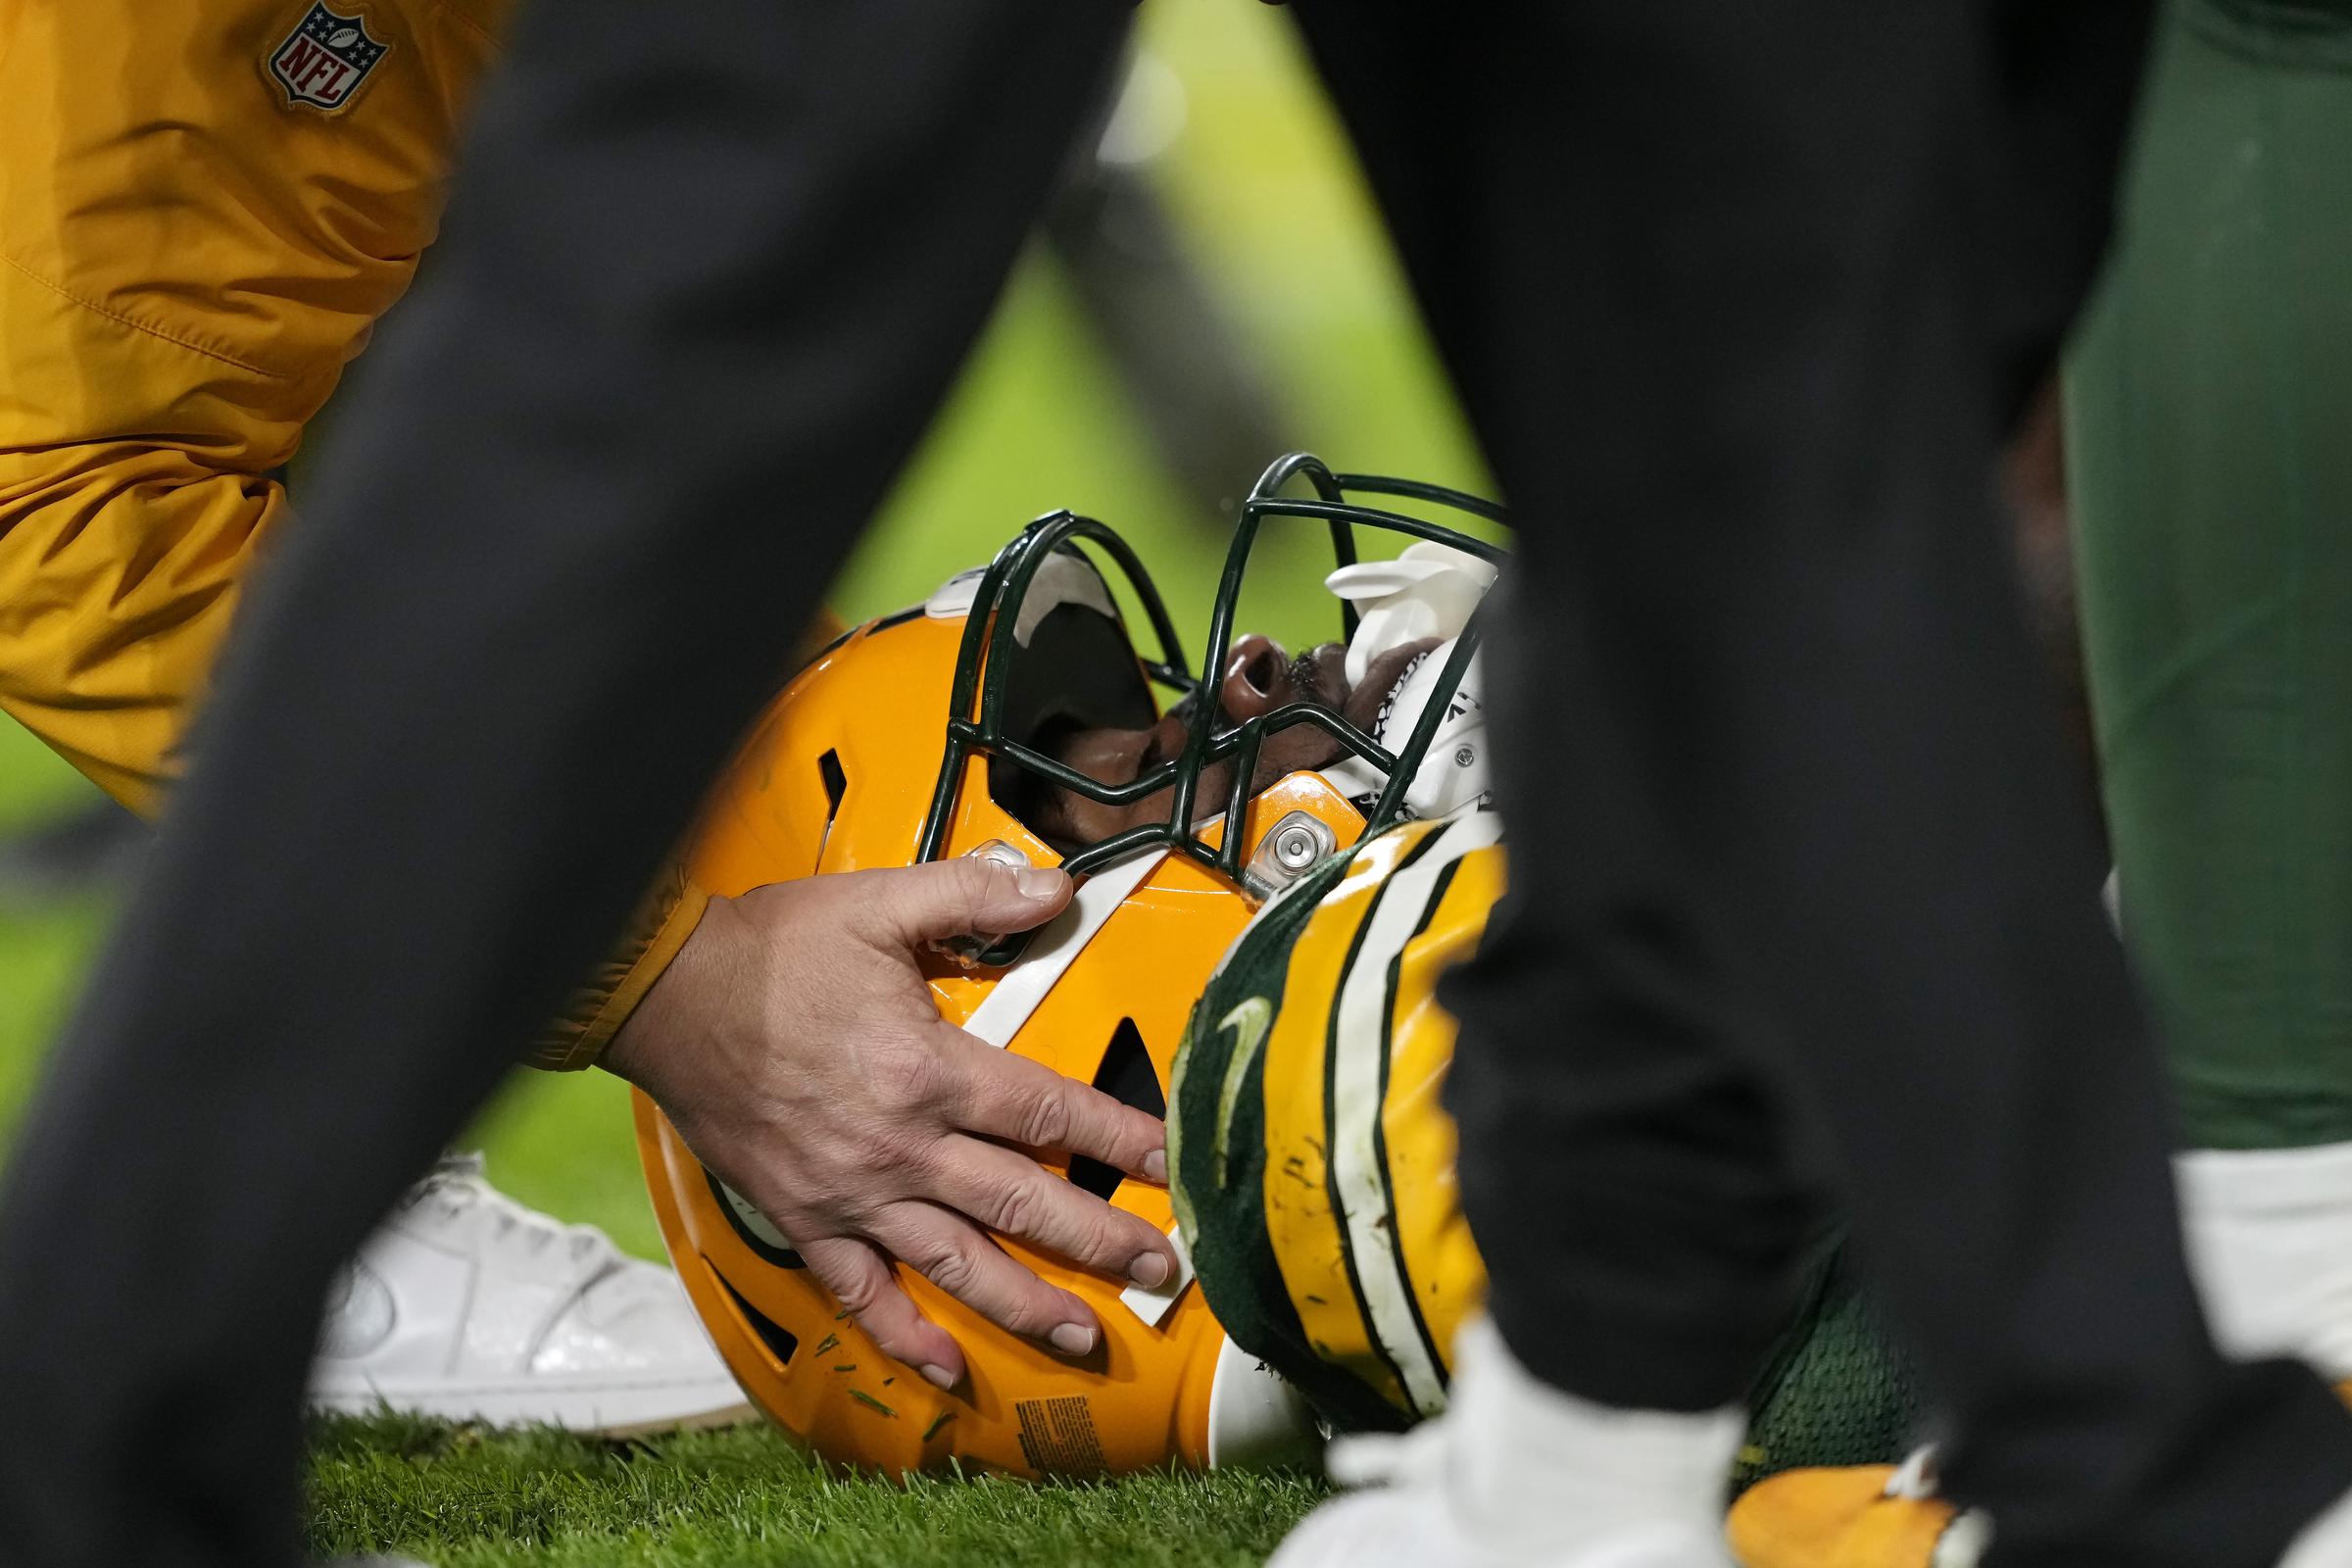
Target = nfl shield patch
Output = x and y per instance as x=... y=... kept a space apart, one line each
x=324 y=60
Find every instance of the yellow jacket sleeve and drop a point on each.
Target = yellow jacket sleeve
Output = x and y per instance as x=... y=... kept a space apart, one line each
x=204 y=208
x=577 y=1036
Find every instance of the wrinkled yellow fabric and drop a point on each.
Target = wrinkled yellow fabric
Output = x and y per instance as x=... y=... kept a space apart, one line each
x=189 y=256
x=187 y=261
x=576 y=1036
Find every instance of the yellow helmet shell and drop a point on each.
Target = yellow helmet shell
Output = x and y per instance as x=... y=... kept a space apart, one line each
x=837 y=777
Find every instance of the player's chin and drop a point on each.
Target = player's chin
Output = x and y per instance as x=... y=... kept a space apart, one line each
x=1328 y=663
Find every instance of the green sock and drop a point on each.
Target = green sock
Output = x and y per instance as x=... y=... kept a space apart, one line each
x=2209 y=422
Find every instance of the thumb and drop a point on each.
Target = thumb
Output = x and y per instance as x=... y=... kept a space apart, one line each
x=964 y=897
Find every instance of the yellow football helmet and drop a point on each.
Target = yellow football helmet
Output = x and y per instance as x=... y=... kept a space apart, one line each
x=919 y=736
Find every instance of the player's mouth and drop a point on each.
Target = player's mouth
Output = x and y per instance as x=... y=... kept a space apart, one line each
x=1319 y=676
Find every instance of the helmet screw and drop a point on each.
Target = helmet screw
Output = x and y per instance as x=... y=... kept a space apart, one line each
x=969 y=950
x=1464 y=756
x=998 y=853
x=1289 y=848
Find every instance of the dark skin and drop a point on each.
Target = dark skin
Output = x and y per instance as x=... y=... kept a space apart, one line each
x=1259 y=677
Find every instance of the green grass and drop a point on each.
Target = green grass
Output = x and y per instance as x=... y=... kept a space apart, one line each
x=458 y=1497
x=1263 y=180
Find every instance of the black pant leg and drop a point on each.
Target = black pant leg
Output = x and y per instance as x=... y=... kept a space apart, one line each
x=710 y=271
x=1738 y=297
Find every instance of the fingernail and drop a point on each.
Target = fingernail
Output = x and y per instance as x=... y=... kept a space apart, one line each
x=1037 y=881
x=1072 y=1339
x=1155 y=1165
x=938 y=1377
x=1151 y=1271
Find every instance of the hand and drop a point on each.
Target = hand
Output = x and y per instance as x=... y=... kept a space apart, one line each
x=796 y=1048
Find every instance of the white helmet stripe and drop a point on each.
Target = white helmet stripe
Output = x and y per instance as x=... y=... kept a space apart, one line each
x=1358 y=1090
x=1052 y=951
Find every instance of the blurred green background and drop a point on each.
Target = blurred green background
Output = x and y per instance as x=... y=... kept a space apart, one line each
x=1255 y=170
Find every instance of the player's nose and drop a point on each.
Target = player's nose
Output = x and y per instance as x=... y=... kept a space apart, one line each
x=1256 y=677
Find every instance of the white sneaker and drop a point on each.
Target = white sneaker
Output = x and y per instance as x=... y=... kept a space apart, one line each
x=1517 y=1474
x=2325 y=1543
x=2270 y=1242
x=470 y=1307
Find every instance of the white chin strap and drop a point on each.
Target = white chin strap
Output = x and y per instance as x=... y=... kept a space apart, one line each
x=1454 y=770
x=1428 y=592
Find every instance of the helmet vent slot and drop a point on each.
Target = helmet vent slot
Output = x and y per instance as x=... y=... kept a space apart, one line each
x=780 y=1341
x=837 y=782
x=836 y=785
x=1127 y=1076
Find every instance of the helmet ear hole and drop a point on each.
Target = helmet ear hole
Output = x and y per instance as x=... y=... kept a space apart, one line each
x=780 y=1341
x=1026 y=796
x=1074 y=670
x=1126 y=1075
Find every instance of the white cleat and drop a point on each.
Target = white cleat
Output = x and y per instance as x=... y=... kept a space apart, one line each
x=1520 y=1475
x=1412 y=1526
x=470 y=1307
x=2325 y=1543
